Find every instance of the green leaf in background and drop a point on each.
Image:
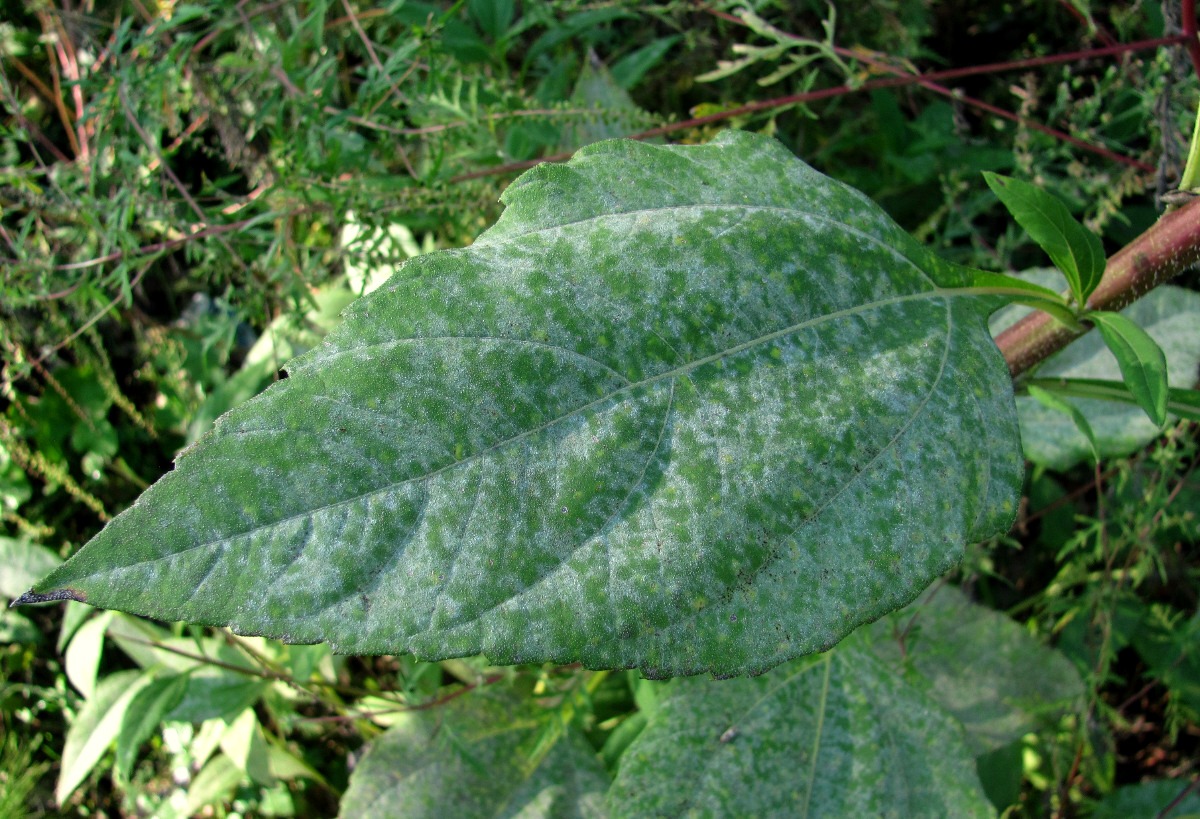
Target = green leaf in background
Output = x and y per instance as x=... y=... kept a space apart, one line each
x=215 y=783
x=1059 y=404
x=474 y=757
x=21 y=564
x=837 y=735
x=1074 y=249
x=687 y=409
x=17 y=628
x=82 y=658
x=1171 y=315
x=1149 y=800
x=616 y=114
x=1142 y=362
x=628 y=71
x=492 y=16
x=215 y=688
x=245 y=744
x=96 y=726
x=142 y=719
x=978 y=664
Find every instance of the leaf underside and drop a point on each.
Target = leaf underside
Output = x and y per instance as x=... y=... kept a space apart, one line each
x=687 y=409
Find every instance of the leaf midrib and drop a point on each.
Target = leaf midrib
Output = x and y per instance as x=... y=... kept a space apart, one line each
x=485 y=240
x=675 y=372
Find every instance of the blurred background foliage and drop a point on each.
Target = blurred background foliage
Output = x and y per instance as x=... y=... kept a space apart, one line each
x=191 y=192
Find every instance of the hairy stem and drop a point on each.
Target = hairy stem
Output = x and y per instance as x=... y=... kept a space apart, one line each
x=1169 y=247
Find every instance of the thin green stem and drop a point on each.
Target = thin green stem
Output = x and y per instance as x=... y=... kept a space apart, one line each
x=1191 y=171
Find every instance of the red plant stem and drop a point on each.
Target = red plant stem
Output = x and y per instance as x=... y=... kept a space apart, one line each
x=926 y=81
x=1188 y=11
x=1086 y=21
x=824 y=93
x=1165 y=250
x=1062 y=136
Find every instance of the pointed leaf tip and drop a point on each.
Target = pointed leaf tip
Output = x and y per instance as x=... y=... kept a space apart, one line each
x=31 y=597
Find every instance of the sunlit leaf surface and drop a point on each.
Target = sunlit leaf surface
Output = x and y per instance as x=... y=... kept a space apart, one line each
x=682 y=408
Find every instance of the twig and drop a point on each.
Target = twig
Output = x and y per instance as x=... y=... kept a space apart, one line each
x=1190 y=34
x=122 y=94
x=366 y=41
x=840 y=90
x=210 y=230
x=101 y=314
x=1165 y=250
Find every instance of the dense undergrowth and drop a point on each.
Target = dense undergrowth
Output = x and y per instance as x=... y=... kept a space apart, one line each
x=191 y=193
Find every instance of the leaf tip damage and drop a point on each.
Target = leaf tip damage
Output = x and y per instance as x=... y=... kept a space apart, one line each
x=30 y=597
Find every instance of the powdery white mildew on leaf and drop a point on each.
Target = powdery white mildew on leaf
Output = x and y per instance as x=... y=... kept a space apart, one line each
x=687 y=409
x=839 y=735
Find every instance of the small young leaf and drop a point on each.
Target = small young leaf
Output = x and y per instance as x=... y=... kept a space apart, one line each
x=1074 y=249
x=1029 y=294
x=1089 y=374
x=1141 y=360
x=1059 y=404
x=1020 y=288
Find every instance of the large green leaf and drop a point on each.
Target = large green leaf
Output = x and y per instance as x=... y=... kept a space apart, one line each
x=839 y=735
x=480 y=755
x=682 y=408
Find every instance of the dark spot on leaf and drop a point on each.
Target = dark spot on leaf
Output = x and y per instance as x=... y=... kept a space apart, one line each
x=62 y=594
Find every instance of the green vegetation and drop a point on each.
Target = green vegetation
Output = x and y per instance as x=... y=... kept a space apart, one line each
x=192 y=195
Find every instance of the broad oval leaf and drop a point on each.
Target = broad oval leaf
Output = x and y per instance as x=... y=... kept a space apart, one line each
x=685 y=409
x=839 y=735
